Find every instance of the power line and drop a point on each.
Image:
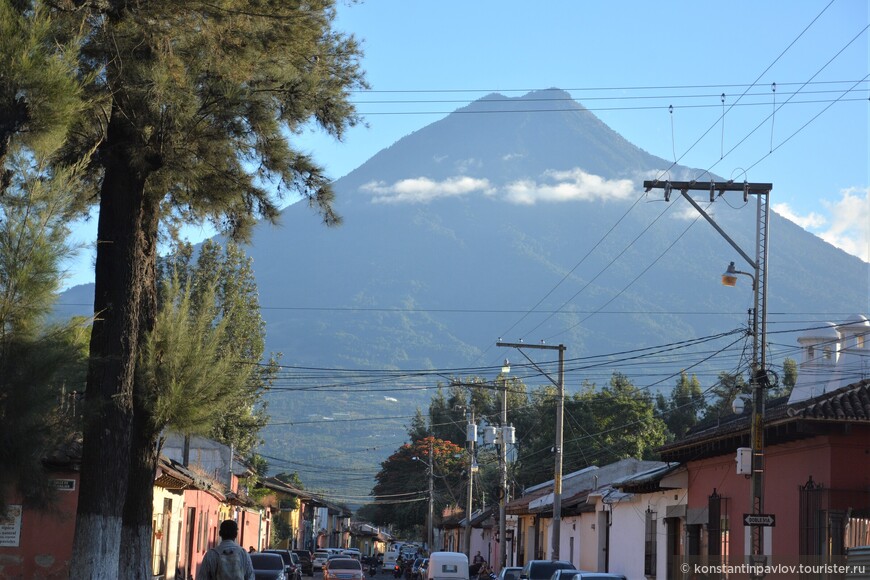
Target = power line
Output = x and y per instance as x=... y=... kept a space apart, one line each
x=605 y=88
x=595 y=110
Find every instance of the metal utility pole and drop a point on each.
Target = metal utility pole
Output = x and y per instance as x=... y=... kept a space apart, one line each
x=758 y=379
x=560 y=413
x=502 y=471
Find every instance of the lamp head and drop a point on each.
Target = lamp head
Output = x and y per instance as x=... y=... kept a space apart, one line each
x=729 y=277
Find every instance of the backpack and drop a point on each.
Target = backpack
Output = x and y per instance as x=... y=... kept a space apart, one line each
x=229 y=565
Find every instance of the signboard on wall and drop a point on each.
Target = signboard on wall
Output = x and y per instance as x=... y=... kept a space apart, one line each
x=10 y=527
x=64 y=484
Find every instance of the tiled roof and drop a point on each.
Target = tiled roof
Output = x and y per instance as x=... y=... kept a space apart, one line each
x=172 y=475
x=849 y=404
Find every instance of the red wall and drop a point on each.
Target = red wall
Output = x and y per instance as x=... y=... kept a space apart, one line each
x=205 y=527
x=45 y=544
x=837 y=462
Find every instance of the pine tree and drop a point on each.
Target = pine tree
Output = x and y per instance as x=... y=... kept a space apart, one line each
x=686 y=404
x=39 y=362
x=199 y=373
x=198 y=106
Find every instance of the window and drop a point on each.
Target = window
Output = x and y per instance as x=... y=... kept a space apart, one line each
x=650 y=545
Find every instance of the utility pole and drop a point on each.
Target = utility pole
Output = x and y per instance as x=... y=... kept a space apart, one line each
x=470 y=437
x=758 y=378
x=560 y=413
x=502 y=470
x=430 y=539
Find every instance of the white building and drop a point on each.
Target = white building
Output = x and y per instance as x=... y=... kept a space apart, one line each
x=833 y=356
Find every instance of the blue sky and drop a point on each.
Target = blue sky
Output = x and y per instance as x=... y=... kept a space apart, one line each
x=629 y=62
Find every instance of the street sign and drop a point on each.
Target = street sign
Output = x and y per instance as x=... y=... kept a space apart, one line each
x=759 y=519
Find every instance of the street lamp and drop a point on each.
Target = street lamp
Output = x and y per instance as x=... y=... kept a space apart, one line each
x=729 y=276
x=758 y=378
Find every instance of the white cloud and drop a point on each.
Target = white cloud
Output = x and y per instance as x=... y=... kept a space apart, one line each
x=424 y=190
x=850 y=223
x=810 y=221
x=572 y=185
x=685 y=212
x=847 y=225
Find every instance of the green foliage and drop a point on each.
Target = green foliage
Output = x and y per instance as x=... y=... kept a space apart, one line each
x=789 y=377
x=207 y=98
x=447 y=413
x=40 y=92
x=40 y=365
x=401 y=486
x=418 y=429
x=220 y=296
x=281 y=532
x=291 y=479
x=723 y=393
x=682 y=410
x=600 y=426
x=185 y=376
x=261 y=468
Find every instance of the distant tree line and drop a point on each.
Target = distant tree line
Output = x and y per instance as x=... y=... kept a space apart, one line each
x=602 y=424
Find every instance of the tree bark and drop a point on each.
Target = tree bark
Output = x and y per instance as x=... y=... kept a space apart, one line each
x=136 y=557
x=136 y=531
x=120 y=275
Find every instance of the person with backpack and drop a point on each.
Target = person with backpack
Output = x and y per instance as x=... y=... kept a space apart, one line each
x=228 y=560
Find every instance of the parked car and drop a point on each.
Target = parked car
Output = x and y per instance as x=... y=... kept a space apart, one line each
x=415 y=568
x=421 y=569
x=584 y=575
x=322 y=555
x=291 y=563
x=510 y=573
x=343 y=569
x=543 y=569
x=306 y=560
x=268 y=566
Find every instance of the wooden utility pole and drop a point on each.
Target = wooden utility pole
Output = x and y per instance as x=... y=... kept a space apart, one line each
x=560 y=413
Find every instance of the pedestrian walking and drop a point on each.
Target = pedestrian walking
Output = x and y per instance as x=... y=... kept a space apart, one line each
x=228 y=560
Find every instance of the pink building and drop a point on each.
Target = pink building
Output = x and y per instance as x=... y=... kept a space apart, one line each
x=27 y=549
x=816 y=480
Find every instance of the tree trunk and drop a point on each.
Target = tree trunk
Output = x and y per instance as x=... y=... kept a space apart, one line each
x=136 y=531
x=120 y=275
x=135 y=557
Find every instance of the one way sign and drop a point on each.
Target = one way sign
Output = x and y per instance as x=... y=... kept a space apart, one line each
x=759 y=519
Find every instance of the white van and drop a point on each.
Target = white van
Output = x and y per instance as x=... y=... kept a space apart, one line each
x=390 y=557
x=447 y=566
